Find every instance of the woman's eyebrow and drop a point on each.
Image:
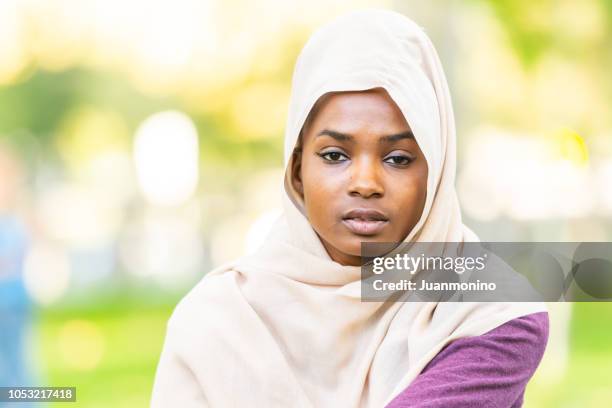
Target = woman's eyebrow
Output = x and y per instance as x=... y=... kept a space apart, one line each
x=384 y=139
x=341 y=137
x=398 y=136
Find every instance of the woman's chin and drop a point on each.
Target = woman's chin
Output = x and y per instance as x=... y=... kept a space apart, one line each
x=354 y=248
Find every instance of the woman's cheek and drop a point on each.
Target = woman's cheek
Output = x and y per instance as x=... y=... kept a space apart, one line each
x=326 y=181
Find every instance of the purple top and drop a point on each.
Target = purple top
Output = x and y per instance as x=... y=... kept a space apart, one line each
x=491 y=370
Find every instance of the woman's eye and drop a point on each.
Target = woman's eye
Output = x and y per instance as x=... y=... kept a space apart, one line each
x=333 y=156
x=399 y=160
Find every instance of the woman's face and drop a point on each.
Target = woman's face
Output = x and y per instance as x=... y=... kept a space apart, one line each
x=360 y=172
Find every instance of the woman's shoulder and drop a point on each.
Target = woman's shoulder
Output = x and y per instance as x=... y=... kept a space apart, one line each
x=533 y=327
x=491 y=369
x=524 y=336
x=518 y=343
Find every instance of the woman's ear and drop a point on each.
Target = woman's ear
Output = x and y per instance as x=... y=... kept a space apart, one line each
x=296 y=167
x=296 y=171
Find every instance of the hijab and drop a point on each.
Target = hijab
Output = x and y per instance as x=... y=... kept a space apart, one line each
x=285 y=326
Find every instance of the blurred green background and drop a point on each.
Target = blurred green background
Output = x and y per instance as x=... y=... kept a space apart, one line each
x=141 y=145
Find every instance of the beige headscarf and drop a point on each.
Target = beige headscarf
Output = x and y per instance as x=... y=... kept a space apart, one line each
x=285 y=327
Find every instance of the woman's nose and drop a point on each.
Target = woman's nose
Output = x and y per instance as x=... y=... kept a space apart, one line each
x=365 y=178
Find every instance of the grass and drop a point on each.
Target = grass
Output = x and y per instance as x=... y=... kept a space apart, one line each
x=109 y=352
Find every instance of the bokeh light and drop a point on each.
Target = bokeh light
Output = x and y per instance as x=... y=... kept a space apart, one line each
x=166 y=158
x=13 y=52
x=46 y=273
x=79 y=216
x=527 y=177
x=163 y=246
x=81 y=344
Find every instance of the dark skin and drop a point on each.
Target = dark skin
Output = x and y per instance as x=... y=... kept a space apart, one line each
x=357 y=151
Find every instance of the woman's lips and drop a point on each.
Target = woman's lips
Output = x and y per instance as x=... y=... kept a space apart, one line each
x=365 y=221
x=364 y=227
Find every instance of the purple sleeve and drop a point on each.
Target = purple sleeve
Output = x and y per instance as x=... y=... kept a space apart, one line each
x=491 y=370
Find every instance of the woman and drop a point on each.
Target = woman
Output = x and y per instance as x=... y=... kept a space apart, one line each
x=370 y=157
